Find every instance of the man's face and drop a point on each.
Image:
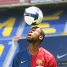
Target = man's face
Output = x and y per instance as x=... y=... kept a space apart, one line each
x=33 y=35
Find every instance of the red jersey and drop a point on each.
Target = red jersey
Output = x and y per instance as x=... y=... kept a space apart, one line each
x=43 y=59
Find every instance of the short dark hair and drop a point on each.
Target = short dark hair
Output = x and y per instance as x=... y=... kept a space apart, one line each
x=42 y=32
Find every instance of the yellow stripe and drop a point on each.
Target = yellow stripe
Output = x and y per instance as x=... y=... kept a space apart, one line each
x=49 y=30
x=59 y=12
x=64 y=33
x=51 y=18
x=1 y=49
x=43 y=25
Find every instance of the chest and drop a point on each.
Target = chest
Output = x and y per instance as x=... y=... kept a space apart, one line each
x=38 y=61
x=25 y=61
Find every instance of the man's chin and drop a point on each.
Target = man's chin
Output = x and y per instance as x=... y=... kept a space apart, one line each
x=29 y=40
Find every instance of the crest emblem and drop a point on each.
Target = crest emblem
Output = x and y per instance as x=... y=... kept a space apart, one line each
x=39 y=62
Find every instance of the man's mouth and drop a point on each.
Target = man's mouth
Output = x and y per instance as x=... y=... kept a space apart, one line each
x=29 y=34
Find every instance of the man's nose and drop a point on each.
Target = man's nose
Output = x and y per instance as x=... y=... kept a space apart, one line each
x=30 y=31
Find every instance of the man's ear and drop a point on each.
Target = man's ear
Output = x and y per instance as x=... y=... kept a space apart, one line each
x=40 y=37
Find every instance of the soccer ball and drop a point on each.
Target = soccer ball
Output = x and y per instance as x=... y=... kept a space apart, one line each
x=33 y=15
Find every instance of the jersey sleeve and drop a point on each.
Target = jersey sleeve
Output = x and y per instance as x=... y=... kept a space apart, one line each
x=52 y=62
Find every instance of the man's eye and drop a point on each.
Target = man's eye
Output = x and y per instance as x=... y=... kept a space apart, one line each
x=33 y=30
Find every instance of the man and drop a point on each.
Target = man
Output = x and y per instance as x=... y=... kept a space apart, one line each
x=34 y=55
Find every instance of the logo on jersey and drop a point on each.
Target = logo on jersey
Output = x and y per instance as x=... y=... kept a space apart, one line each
x=39 y=63
x=23 y=61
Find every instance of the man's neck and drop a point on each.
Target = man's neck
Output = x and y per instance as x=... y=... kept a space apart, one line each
x=33 y=49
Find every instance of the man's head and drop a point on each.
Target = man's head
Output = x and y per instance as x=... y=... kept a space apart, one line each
x=35 y=34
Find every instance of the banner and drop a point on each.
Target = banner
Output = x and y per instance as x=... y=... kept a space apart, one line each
x=46 y=1
x=8 y=1
x=13 y=1
x=24 y=1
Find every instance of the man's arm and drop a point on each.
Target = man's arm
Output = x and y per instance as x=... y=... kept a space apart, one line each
x=52 y=62
x=15 y=62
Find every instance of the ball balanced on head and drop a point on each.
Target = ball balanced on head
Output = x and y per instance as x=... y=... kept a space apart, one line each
x=33 y=15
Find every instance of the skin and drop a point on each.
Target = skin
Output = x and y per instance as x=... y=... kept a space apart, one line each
x=34 y=38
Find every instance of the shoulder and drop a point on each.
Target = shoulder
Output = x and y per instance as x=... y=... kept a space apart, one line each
x=48 y=56
x=20 y=53
x=46 y=53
